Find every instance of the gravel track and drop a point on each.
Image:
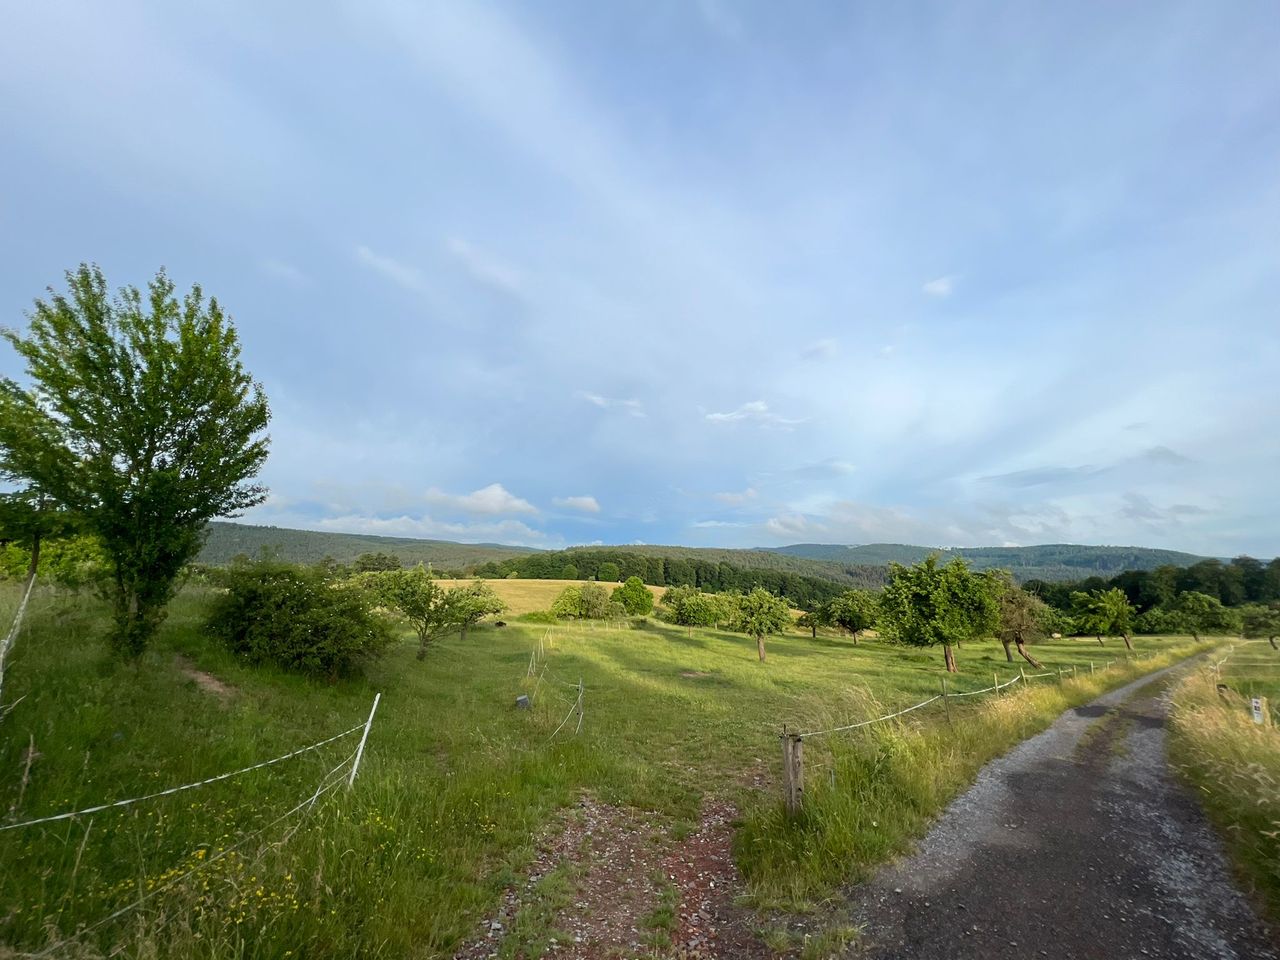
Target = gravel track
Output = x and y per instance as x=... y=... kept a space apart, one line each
x=1069 y=846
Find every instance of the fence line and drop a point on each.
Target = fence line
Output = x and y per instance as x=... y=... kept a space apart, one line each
x=200 y=783
x=12 y=635
x=308 y=803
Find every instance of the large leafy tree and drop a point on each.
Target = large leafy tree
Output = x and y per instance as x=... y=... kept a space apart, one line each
x=473 y=603
x=854 y=611
x=928 y=604
x=761 y=614
x=140 y=419
x=1201 y=613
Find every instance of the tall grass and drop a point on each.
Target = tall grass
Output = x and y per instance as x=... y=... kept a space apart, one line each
x=1234 y=766
x=870 y=792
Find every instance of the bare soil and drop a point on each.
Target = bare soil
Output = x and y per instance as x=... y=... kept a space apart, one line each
x=205 y=681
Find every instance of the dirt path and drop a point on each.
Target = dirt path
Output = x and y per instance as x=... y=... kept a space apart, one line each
x=1077 y=844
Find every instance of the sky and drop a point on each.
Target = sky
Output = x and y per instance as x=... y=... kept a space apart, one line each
x=695 y=271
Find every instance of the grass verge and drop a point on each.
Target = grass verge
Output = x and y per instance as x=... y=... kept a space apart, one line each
x=1233 y=764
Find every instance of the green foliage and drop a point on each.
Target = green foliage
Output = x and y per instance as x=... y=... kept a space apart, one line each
x=376 y=562
x=1260 y=622
x=71 y=562
x=928 y=604
x=609 y=572
x=569 y=572
x=634 y=597
x=590 y=601
x=293 y=617
x=1023 y=618
x=141 y=421
x=853 y=611
x=414 y=594
x=473 y=603
x=1103 y=613
x=760 y=614
x=690 y=607
x=1160 y=620
x=1202 y=613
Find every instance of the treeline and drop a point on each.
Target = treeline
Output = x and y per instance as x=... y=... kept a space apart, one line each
x=615 y=566
x=1241 y=581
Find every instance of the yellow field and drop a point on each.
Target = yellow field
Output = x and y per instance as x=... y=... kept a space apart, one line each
x=527 y=596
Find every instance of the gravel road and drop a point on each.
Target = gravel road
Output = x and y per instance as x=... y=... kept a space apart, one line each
x=1070 y=846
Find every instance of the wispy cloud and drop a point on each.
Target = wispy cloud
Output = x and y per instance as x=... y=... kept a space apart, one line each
x=586 y=504
x=492 y=500
x=756 y=411
x=634 y=407
x=941 y=287
x=485 y=268
x=283 y=271
x=736 y=499
x=403 y=274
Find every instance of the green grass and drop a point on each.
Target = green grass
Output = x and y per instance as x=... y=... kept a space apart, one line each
x=456 y=786
x=1233 y=764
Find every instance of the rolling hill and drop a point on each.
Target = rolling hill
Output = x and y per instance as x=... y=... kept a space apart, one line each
x=229 y=540
x=1052 y=561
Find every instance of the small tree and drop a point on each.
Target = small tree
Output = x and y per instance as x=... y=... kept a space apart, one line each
x=854 y=611
x=1022 y=620
x=568 y=604
x=634 y=597
x=761 y=614
x=609 y=572
x=472 y=603
x=141 y=421
x=431 y=610
x=927 y=604
x=690 y=607
x=811 y=620
x=1261 y=622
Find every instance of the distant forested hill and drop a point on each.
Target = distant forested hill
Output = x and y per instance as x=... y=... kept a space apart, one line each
x=1052 y=561
x=228 y=540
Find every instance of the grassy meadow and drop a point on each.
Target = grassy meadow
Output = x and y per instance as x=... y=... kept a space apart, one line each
x=1233 y=764
x=457 y=785
x=532 y=596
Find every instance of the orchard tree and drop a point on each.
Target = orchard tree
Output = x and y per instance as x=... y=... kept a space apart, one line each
x=761 y=614
x=634 y=597
x=811 y=620
x=928 y=604
x=472 y=603
x=415 y=595
x=854 y=611
x=1104 y=613
x=140 y=420
x=1261 y=622
x=1023 y=619
x=690 y=607
x=1201 y=613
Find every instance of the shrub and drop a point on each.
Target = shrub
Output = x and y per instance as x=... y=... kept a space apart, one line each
x=634 y=597
x=297 y=619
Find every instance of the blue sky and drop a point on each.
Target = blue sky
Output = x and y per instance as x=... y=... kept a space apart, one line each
x=696 y=272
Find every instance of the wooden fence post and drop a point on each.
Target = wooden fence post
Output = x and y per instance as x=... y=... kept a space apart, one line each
x=792 y=771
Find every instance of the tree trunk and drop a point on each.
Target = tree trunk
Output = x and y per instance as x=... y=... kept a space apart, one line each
x=1100 y=643
x=1195 y=636
x=950 y=656
x=814 y=628
x=1028 y=657
x=760 y=647
x=1272 y=641
x=1127 y=645
x=854 y=634
x=1008 y=654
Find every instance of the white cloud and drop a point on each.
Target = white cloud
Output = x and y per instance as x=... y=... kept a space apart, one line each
x=587 y=504
x=736 y=499
x=633 y=407
x=710 y=524
x=484 y=268
x=942 y=287
x=492 y=500
x=500 y=531
x=756 y=411
x=402 y=274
